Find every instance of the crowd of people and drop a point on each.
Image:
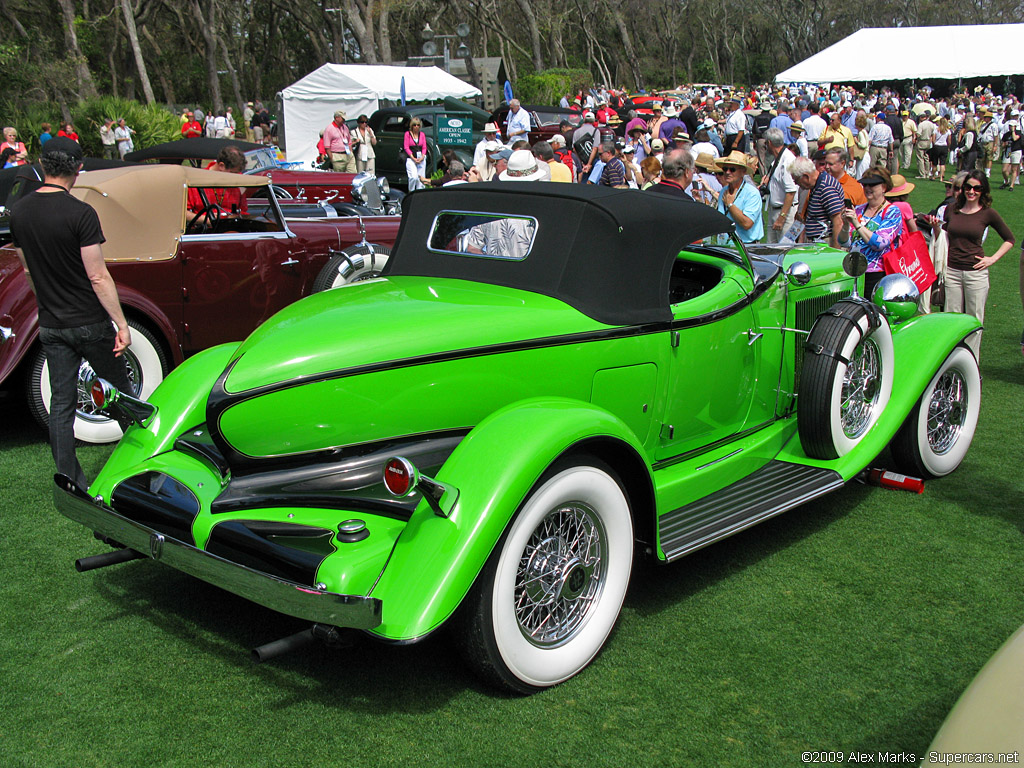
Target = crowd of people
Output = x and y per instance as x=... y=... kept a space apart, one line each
x=790 y=165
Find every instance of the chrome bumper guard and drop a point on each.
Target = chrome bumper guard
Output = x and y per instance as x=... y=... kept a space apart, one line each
x=278 y=594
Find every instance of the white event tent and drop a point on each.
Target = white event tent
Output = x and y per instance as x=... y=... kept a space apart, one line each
x=309 y=104
x=915 y=53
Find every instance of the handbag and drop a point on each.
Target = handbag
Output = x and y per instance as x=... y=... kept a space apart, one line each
x=911 y=258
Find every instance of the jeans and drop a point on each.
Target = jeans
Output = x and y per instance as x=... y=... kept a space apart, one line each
x=64 y=349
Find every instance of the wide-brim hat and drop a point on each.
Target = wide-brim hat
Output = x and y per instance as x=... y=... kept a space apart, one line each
x=797 y=126
x=490 y=127
x=670 y=111
x=736 y=159
x=900 y=186
x=706 y=162
x=614 y=120
x=522 y=166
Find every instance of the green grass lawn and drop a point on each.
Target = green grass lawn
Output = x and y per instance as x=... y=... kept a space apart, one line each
x=852 y=623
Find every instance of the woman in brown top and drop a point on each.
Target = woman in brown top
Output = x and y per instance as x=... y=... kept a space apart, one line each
x=966 y=264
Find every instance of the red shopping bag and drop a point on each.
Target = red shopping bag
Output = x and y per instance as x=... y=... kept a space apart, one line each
x=911 y=258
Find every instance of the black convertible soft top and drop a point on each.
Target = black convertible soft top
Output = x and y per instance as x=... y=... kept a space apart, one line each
x=607 y=252
x=189 y=149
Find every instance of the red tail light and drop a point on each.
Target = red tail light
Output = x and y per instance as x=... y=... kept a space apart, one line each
x=400 y=476
x=99 y=398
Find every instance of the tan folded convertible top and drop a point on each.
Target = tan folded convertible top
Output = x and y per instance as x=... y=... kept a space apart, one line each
x=142 y=209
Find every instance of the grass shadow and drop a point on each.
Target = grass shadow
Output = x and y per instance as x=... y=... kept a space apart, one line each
x=658 y=586
x=369 y=676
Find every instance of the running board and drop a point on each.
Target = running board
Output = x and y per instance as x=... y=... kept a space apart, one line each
x=773 y=489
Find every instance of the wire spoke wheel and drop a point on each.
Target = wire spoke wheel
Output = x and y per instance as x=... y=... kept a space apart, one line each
x=561 y=574
x=86 y=408
x=861 y=387
x=846 y=380
x=937 y=433
x=551 y=592
x=947 y=411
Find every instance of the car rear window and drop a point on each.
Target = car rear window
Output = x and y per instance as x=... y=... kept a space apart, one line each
x=487 y=235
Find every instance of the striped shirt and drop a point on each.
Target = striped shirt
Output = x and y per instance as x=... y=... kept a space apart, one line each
x=823 y=202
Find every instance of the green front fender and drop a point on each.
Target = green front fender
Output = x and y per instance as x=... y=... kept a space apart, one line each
x=181 y=403
x=436 y=559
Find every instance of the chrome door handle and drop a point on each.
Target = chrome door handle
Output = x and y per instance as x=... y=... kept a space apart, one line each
x=289 y=262
x=753 y=336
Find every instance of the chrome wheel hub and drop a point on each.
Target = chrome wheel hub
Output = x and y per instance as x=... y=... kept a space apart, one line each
x=861 y=386
x=86 y=409
x=561 y=574
x=947 y=411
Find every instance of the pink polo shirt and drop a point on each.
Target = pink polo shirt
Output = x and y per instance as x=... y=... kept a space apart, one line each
x=337 y=139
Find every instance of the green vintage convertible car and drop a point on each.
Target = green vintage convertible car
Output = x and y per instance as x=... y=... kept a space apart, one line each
x=547 y=382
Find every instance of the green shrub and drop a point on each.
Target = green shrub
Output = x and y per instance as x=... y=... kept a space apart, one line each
x=549 y=86
x=153 y=124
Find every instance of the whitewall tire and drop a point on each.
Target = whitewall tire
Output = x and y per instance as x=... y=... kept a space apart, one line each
x=147 y=366
x=936 y=435
x=552 y=590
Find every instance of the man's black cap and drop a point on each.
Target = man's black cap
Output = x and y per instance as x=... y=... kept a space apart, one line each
x=63 y=144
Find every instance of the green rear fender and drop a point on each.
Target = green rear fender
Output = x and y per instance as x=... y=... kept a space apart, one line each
x=181 y=403
x=436 y=560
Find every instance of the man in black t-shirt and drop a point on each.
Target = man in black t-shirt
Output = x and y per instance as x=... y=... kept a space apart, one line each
x=58 y=239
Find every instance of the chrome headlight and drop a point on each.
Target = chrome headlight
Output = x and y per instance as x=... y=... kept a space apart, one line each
x=897 y=296
x=358 y=196
x=383 y=186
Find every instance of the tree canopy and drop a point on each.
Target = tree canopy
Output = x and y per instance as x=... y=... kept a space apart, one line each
x=222 y=52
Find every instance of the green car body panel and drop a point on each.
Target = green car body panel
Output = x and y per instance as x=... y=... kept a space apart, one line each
x=515 y=381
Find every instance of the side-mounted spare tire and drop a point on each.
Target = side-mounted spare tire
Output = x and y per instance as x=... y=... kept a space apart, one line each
x=352 y=265
x=936 y=435
x=846 y=380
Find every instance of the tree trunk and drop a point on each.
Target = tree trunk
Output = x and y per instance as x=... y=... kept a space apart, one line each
x=384 y=34
x=235 y=85
x=531 y=25
x=9 y=15
x=163 y=74
x=86 y=85
x=209 y=29
x=360 y=18
x=140 y=63
x=627 y=44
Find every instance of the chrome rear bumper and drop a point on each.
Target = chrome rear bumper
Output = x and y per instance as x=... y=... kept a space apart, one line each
x=278 y=594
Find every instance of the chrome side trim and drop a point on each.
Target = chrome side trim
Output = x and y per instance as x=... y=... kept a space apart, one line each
x=235 y=237
x=278 y=594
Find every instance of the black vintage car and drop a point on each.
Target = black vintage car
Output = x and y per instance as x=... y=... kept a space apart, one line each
x=391 y=123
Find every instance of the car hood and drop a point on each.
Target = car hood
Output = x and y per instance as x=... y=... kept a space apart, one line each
x=393 y=320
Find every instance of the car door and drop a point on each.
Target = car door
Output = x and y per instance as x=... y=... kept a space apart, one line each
x=234 y=280
x=714 y=361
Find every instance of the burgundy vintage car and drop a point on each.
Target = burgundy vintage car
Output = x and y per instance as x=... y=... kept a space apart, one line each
x=187 y=282
x=303 y=186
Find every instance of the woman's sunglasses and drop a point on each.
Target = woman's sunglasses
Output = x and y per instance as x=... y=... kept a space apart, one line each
x=972 y=188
